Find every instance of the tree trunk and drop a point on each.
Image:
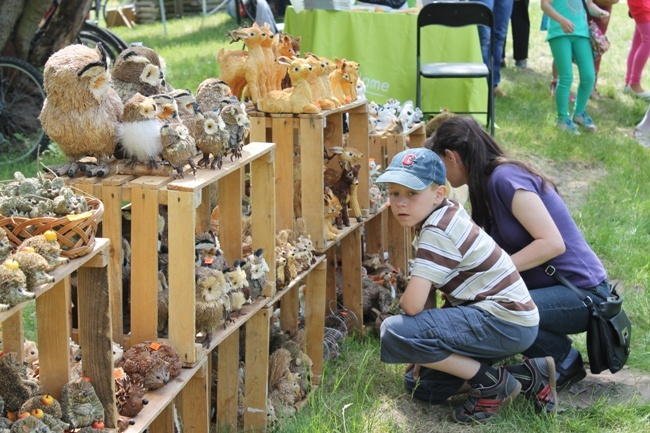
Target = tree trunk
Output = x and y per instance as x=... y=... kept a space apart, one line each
x=21 y=37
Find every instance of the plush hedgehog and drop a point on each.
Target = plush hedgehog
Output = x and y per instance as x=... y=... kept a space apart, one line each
x=47 y=246
x=54 y=424
x=152 y=364
x=129 y=395
x=45 y=402
x=12 y=387
x=29 y=424
x=5 y=246
x=13 y=285
x=34 y=266
x=80 y=404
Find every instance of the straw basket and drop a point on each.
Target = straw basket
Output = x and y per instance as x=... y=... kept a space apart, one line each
x=75 y=233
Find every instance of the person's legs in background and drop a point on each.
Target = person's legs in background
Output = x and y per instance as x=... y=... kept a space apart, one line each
x=583 y=55
x=562 y=56
x=642 y=130
x=638 y=57
x=602 y=25
x=502 y=9
x=520 y=23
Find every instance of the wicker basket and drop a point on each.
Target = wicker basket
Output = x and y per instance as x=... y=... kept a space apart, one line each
x=75 y=233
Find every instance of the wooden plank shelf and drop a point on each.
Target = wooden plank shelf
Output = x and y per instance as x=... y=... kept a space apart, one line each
x=160 y=399
x=53 y=306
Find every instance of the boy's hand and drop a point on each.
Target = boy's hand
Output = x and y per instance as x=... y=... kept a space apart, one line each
x=415 y=368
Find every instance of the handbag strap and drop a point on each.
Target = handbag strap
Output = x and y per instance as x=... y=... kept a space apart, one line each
x=552 y=272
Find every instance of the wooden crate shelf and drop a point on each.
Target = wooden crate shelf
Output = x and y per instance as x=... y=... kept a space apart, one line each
x=188 y=209
x=187 y=201
x=53 y=308
x=309 y=136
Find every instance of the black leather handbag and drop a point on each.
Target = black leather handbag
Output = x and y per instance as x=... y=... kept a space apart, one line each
x=609 y=331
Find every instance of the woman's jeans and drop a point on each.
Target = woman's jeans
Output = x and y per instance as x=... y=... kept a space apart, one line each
x=561 y=313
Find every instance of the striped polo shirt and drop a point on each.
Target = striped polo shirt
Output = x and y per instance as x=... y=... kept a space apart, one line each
x=464 y=263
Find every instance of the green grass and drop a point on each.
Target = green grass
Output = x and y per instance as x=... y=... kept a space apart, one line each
x=358 y=392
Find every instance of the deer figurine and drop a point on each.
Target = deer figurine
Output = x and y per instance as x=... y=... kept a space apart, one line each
x=342 y=190
x=332 y=211
x=240 y=68
x=297 y=99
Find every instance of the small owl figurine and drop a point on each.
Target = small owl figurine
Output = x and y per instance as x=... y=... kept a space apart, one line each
x=178 y=147
x=212 y=138
x=138 y=70
x=141 y=131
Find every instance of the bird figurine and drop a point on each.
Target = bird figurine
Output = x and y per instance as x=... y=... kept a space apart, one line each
x=212 y=138
x=138 y=69
x=140 y=138
x=167 y=108
x=240 y=290
x=188 y=108
x=256 y=269
x=212 y=301
x=238 y=125
x=178 y=147
x=211 y=93
x=82 y=112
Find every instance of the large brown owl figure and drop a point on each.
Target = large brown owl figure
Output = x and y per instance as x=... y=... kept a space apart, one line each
x=82 y=111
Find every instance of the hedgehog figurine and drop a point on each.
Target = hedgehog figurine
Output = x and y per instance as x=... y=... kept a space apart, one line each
x=54 y=424
x=5 y=246
x=13 y=285
x=46 y=403
x=80 y=404
x=12 y=387
x=129 y=395
x=34 y=266
x=47 y=246
x=29 y=424
x=152 y=364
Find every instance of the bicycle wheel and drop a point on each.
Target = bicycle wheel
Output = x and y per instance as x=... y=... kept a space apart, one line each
x=91 y=34
x=106 y=35
x=21 y=100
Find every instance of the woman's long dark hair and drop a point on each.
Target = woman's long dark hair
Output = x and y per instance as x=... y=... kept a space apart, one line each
x=480 y=154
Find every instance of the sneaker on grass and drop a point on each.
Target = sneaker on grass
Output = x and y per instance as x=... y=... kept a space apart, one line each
x=483 y=403
x=542 y=390
x=585 y=121
x=567 y=125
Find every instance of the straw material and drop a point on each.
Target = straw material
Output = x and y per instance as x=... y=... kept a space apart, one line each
x=75 y=233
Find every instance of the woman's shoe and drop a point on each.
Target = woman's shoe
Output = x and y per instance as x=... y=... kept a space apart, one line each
x=641 y=95
x=571 y=374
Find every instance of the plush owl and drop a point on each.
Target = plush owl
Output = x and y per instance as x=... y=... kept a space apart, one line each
x=82 y=111
x=187 y=107
x=141 y=131
x=167 y=108
x=139 y=70
x=212 y=138
x=210 y=93
x=178 y=147
x=238 y=125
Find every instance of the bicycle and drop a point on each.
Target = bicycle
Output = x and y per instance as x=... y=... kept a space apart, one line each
x=21 y=100
x=22 y=95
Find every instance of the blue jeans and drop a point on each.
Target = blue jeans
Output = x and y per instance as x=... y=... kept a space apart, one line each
x=501 y=9
x=434 y=334
x=561 y=312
